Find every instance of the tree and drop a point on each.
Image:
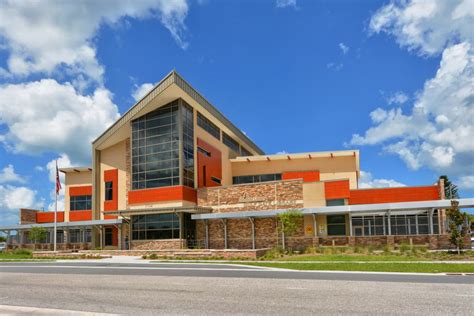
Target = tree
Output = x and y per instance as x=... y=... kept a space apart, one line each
x=458 y=227
x=289 y=221
x=3 y=239
x=38 y=234
x=450 y=189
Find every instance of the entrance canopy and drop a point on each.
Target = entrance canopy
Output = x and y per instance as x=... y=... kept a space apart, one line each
x=63 y=224
x=408 y=208
x=162 y=210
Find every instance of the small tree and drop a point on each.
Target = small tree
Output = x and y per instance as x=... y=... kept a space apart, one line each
x=38 y=234
x=450 y=189
x=289 y=223
x=458 y=227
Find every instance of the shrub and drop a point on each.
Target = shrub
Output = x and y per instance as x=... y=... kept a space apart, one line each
x=387 y=249
x=22 y=251
x=153 y=256
x=275 y=252
x=404 y=247
x=310 y=250
x=421 y=248
x=359 y=249
x=144 y=257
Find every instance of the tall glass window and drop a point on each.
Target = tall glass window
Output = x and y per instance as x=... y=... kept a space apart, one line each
x=231 y=143
x=208 y=126
x=155 y=148
x=80 y=203
x=336 y=225
x=256 y=178
x=155 y=226
x=188 y=145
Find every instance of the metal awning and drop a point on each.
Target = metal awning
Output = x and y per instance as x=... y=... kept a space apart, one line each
x=362 y=209
x=178 y=209
x=64 y=224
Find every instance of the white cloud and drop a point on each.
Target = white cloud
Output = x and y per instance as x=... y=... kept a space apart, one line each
x=8 y=175
x=141 y=90
x=12 y=198
x=344 y=48
x=426 y=27
x=437 y=132
x=63 y=162
x=335 y=66
x=46 y=116
x=285 y=3
x=367 y=181
x=42 y=36
x=398 y=97
x=39 y=168
x=466 y=182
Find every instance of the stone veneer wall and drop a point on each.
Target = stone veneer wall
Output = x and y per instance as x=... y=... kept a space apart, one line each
x=157 y=244
x=251 y=197
x=27 y=216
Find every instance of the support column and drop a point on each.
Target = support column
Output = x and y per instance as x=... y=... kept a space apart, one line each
x=416 y=223
x=101 y=236
x=384 y=230
x=430 y=221
x=224 y=223
x=252 y=221
x=315 y=226
x=119 y=237
x=389 y=223
x=350 y=224
x=207 y=234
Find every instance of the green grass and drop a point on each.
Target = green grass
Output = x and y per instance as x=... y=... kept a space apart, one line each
x=374 y=267
x=13 y=256
x=378 y=257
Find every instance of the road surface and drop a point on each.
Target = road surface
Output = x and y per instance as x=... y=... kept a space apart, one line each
x=190 y=289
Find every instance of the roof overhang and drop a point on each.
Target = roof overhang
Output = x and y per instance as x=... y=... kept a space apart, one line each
x=75 y=169
x=145 y=211
x=172 y=87
x=362 y=209
x=64 y=224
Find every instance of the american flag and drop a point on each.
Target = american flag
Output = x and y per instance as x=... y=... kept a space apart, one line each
x=58 y=182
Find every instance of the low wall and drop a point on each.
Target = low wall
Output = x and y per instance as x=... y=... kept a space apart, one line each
x=50 y=247
x=186 y=253
x=157 y=244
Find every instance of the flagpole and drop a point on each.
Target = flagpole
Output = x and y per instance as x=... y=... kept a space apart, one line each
x=55 y=207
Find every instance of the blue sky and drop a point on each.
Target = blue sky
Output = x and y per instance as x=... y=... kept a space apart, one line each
x=392 y=79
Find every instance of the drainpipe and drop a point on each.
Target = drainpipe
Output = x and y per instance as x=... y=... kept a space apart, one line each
x=252 y=221
x=224 y=222
x=207 y=234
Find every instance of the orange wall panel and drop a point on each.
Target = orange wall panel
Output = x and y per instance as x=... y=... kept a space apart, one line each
x=212 y=165
x=174 y=193
x=393 y=195
x=77 y=216
x=111 y=176
x=307 y=176
x=82 y=190
x=337 y=189
x=48 y=217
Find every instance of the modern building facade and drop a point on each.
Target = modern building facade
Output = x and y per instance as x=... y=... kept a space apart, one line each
x=173 y=172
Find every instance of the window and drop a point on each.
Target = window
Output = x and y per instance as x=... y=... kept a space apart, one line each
x=245 y=152
x=336 y=225
x=80 y=203
x=256 y=178
x=203 y=151
x=74 y=236
x=109 y=193
x=188 y=145
x=155 y=226
x=216 y=180
x=155 y=148
x=335 y=202
x=208 y=126
x=231 y=143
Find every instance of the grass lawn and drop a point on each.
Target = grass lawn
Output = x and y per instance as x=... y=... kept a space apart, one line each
x=375 y=267
x=14 y=256
x=467 y=256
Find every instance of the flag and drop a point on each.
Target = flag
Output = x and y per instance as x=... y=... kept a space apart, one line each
x=58 y=182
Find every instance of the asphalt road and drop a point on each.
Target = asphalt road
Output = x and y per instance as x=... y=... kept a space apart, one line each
x=223 y=289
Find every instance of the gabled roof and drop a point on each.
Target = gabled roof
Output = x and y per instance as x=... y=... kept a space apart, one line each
x=174 y=78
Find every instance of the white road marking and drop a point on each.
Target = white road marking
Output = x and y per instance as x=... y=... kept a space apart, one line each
x=21 y=310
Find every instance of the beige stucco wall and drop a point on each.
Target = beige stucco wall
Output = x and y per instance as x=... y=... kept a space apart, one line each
x=114 y=157
x=352 y=176
x=313 y=194
x=75 y=179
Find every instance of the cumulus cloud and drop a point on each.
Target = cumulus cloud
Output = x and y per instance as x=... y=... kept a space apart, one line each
x=141 y=90
x=335 y=66
x=426 y=27
x=8 y=174
x=42 y=36
x=367 y=181
x=285 y=3
x=12 y=198
x=344 y=48
x=466 y=182
x=437 y=132
x=398 y=97
x=47 y=116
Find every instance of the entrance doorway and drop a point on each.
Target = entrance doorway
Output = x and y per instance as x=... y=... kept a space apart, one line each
x=108 y=236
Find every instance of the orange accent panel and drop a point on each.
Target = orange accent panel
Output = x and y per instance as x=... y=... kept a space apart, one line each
x=175 y=193
x=213 y=165
x=82 y=190
x=389 y=195
x=48 y=217
x=337 y=189
x=76 y=216
x=111 y=176
x=110 y=216
x=307 y=176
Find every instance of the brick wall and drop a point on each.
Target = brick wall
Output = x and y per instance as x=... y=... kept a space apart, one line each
x=157 y=244
x=27 y=216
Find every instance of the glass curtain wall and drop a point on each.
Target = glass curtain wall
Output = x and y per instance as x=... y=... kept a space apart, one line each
x=159 y=140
